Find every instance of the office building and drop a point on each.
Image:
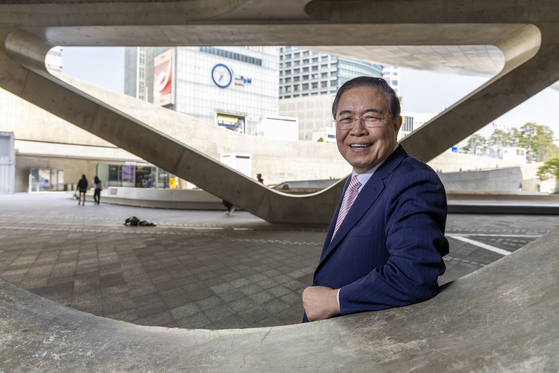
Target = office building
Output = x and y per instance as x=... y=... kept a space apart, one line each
x=309 y=80
x=233 y=87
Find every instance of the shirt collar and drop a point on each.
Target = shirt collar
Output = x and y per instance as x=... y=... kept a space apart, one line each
x=365 y=176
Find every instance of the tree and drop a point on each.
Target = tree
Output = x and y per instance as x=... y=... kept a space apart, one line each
x=475 y=143
x=537 y=140
x=500 y=139
x=320 y=140
x=548 y=170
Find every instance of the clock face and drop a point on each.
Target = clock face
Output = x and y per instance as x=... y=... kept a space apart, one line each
x=222 y=76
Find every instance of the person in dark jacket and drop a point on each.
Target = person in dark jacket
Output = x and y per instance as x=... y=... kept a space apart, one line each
x=82 y=189
x=98 y=184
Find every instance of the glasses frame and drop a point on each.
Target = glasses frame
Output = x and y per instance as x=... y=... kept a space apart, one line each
x=354 y=119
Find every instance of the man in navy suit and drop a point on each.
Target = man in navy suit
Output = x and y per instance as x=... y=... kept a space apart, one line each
x=386 y=241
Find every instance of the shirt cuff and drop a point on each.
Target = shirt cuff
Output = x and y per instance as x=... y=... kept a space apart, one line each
x=338 y=297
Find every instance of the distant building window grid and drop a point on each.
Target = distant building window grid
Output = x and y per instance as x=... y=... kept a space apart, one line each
x=232 y=55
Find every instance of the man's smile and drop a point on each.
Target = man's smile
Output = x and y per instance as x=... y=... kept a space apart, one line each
x=360 y=146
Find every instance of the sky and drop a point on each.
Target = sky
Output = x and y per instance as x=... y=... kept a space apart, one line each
x=422 y=91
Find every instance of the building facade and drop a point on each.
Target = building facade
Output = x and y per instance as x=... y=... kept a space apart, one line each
x=233 y=87
x=309 y=81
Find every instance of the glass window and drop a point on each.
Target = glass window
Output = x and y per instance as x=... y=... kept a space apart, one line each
x=323 y=67
x=296 y=79
x=315 y=68
x=315 y=60
x=315 y=76
x=305 y=86
x=287 y=80
x=287 y=56
x=281 y=65
x=296 y=87
x=287 y=96
x=305 y=77
x=288 y=64
x=332 y=83
x=324 y=75
x=315 y=85
x=314 y=94
x=297 y=55
x=324 y=84
x=295 y=96
x=296 y=63
x=288 y=89
x=324 y=58
x=323 y=92
x=288 y=49
x=305 y=61
x=305 y=69
x=304 y=94
x=296 y=71
x=305 y=53
x=287 y=72
x=395 y=82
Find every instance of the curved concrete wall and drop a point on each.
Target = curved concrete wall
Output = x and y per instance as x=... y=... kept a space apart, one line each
x=502 y=179
x=503 y=317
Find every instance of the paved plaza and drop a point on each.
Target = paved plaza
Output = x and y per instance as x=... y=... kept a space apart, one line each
x=197 y=269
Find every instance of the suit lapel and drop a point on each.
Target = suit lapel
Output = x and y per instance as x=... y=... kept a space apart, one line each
x=366 y=198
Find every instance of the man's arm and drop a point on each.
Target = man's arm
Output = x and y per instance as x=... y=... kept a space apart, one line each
x=416 y=214
x=320 y=302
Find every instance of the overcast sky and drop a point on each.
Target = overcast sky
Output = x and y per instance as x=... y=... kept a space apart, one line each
x=422 y=91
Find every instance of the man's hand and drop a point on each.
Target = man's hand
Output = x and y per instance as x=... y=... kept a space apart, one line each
x=320 y=302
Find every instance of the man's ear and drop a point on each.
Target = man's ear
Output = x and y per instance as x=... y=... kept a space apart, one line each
x=397 y=124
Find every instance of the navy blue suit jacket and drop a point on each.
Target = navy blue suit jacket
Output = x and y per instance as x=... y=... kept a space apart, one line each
x=388 y=251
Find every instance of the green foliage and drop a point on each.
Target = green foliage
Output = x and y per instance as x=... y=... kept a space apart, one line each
x=549 y=169
x=536 y=139
x=320 y=140
x=475 y=143
x=500 y=138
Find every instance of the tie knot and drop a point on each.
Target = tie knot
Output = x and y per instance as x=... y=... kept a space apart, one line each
x=354 y=184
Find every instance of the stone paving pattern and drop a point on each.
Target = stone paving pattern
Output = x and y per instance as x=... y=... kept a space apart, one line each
x=196 y=269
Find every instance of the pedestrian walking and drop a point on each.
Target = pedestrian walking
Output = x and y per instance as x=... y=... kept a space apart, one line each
x=82 y=189
x=98 y=184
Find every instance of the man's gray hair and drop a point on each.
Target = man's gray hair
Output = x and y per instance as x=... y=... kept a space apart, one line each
x=370 y=82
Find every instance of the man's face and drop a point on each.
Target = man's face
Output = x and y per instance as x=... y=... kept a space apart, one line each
x=363 y=147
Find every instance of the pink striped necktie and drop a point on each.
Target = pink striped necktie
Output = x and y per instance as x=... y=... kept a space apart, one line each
x=349 y=197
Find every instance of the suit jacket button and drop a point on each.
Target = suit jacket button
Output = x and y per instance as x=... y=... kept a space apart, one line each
x=316 y=283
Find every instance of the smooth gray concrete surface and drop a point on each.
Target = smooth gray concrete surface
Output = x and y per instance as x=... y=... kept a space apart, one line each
x=499 y=180
x=525 y=33
x=501 y=317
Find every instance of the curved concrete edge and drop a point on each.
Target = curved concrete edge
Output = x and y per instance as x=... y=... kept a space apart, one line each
x=152 y=145
x=503 y=317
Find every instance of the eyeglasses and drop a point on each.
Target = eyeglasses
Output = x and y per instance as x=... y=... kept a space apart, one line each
x=369 y=120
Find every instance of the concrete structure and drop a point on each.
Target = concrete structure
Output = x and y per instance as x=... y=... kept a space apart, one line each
x=327 y=134
x=279 y=128
x=526 y=35
x=313 y=112
x=502 y=317
x=497 y=180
